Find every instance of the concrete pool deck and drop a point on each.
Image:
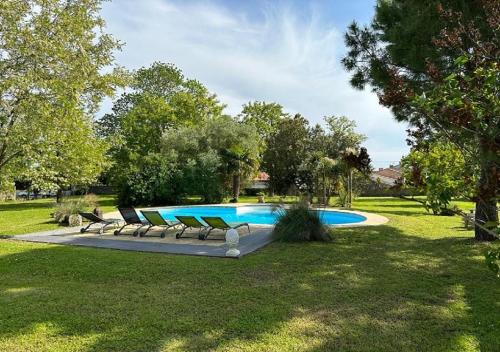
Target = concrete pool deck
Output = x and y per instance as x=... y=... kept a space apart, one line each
x=215 y=246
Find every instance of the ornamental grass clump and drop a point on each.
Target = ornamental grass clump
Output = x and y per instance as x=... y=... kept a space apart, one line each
x=299 y=223
x=73 y=207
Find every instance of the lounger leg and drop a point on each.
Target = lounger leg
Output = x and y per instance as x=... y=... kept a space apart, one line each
x=163 y=233
x=121 y=228
x=118 y=232
x=171 y=225
x=204 y=237
x=179 y=235
x=144 y=233
x=138 y=229
x=106 y=224
x=84 y=229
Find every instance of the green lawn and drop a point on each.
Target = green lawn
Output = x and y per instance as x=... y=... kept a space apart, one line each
x=32 y=216
x=418 y=283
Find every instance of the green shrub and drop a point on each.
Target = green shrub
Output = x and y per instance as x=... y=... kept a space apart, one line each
x=74 y=206
x=161 y=179
x=90 y=200
x=155 y=180
x=299 y=223
x=205 y=179
x=67 y=208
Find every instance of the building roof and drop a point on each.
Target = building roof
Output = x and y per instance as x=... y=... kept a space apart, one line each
x=387 y=176
x=389 y=173
x=261 y=176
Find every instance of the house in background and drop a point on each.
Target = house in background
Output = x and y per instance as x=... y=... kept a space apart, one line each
x=260 y=183
x=387 y=177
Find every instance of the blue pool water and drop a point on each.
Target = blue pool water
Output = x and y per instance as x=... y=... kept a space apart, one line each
x=253 y=214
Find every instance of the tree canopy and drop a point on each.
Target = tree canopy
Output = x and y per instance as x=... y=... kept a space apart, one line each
x=265 y=117
x=313 y=159
x=441 y=76
x=201 y=160
x=440 y=172
x=52 y=58
x=285 y=152
x=159 y=98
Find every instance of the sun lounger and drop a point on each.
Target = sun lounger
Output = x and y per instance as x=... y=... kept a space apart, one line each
x=156 y=220
x=216 y=222
x=97 y=220
x=131 y=219
x=189 y=222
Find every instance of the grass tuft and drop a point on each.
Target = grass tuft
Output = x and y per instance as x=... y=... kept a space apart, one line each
x=298 y=223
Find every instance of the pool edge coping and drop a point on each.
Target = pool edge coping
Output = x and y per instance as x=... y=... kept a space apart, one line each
x=371 y=219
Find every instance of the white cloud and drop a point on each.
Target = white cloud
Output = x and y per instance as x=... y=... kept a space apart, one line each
x=281 y=58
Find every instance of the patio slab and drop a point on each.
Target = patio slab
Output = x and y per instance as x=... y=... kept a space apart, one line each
x=259 y=237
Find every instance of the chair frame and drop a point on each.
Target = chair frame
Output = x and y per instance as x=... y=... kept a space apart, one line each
x=96 y=220
x=131 y=221
x=185 y=226
x=166 y=224
x=225 y=227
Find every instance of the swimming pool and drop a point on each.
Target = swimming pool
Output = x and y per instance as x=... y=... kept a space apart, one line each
x=254 y=214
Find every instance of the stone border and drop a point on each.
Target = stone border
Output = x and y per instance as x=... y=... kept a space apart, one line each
x=371 y=219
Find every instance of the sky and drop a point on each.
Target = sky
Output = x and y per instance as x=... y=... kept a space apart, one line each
x=268 y=50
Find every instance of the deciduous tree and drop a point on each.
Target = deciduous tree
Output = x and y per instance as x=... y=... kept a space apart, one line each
x=265 y=117
x=160 y=99
x=440 y=172
x=52 y=57
x=286 y=150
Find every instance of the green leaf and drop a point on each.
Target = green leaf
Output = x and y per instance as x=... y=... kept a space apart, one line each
x=461 y=60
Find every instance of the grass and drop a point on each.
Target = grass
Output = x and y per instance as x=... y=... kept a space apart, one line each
x=18 y=217
x=418 y=283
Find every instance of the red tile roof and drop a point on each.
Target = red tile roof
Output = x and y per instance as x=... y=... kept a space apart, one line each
x=389 y=173
x=261 y=176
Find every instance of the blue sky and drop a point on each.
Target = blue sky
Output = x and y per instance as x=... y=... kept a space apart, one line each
x=277 y=51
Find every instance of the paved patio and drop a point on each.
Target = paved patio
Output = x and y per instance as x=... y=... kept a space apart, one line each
x=215 y=247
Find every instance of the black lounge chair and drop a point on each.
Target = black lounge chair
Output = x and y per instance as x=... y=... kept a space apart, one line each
x=131 y=218
x=156 y=220
x=216 y=222
x=190 y=222
x=97 y=220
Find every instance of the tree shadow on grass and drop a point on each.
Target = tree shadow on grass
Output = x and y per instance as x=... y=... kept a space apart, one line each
x=20 y=205
x=395 y=211
x=373 y=288
x=396 y=205
x=107 y=202
x=398 y=212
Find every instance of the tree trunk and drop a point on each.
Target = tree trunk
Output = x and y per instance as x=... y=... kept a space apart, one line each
x=236 y=186
x=349 y=189
x=59 y=195
x=486 y=202
x=324 y=190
